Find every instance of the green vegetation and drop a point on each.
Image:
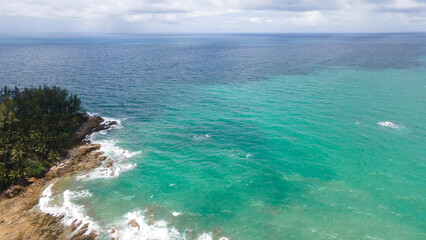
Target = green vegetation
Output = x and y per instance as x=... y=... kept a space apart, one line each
x=36 y=127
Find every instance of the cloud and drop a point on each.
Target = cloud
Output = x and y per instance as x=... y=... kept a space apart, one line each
x=239 y=15
x=289 y=5
x=414 y=10
x=403 y=6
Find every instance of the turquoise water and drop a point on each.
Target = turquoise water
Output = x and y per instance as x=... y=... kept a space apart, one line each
x=246 y=137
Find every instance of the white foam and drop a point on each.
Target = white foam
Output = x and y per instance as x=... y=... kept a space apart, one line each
x=72 y=213
x=134 y=225
x=175 y=214
x=117 y=161
x=201 y=137
x=388 y=124
x=205 y=236
x=142 y=230
x=127 y=198
x=109 y=148
x=45 y=198
x=108 y=120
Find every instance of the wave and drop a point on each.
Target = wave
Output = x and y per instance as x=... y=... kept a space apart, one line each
x=117 y=157
x=135 y=226
x=175 y=214
x=117 y=161
x=388 y=124
x=73 y=214
x=108 y=120
x=201 y=137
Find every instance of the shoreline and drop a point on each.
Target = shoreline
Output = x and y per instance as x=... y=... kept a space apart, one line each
x=20 y=213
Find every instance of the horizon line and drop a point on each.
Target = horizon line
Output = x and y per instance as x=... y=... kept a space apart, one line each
x=205 y=33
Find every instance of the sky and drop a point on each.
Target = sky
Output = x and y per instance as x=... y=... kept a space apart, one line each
x=212 y=16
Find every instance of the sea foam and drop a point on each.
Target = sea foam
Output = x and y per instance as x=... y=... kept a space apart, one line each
x=72 y=213
x=201 y=137
x=116 y=162
x=117 y=157
x=388 y=124
x=135 y=225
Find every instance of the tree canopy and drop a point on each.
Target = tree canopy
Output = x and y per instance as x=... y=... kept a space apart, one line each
x=36 y=126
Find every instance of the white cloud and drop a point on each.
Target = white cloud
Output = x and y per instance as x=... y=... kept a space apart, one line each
x=210 y=13
x=239 y=15
x=405 y=4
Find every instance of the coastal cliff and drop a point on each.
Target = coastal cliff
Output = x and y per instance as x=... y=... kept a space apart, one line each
x=20 y=216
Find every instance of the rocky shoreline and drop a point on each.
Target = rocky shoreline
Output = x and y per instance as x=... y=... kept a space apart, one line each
x=20 y=216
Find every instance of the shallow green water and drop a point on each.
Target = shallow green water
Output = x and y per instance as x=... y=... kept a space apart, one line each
x=292 y=157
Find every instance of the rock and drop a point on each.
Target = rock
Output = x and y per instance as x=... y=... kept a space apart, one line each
x=89 y=126
x=110 y=163
x=82 y=230
x=13 y=191
x=112 y=123
x=112 y=232
x=75 y=225
x=32 y=180
x=134 y=224
x=191 y=234
x=92 y=236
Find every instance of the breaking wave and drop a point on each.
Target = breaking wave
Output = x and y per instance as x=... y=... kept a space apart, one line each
x=135 y=225
x=73 y=214
x=388 y=124
x=117 y=158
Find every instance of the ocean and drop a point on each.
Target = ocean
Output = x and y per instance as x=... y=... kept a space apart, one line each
x=280 y=136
